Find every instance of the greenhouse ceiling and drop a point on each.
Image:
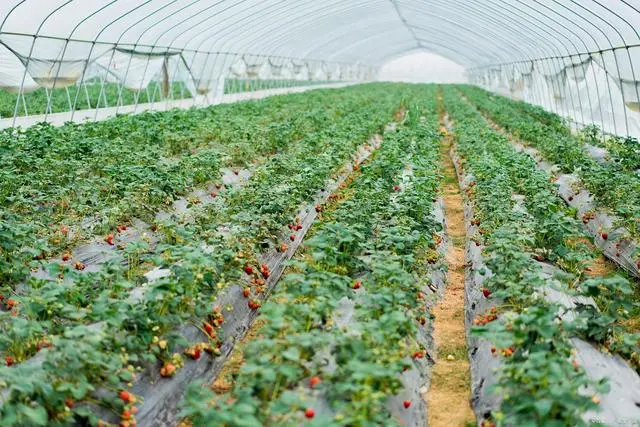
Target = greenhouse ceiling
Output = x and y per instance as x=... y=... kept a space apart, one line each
x=477 y=32
x=542 y=45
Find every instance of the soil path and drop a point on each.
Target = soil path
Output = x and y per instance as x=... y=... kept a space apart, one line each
x=448 y=396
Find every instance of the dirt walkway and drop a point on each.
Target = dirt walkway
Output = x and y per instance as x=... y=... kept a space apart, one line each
x=448 y=396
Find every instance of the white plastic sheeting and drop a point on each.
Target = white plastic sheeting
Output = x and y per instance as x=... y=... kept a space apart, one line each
x=583 y=91
x=58 y=41
x=422 y=67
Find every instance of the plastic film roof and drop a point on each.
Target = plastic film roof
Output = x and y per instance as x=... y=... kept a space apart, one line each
x=472 y=33
x=58 y=43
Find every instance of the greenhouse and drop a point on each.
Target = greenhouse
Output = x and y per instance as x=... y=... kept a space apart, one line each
x=334 y=213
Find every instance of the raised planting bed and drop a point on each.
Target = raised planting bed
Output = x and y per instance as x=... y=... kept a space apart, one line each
x=346 y=337
x=610 y=189
x=529 y=297
x=129 y=330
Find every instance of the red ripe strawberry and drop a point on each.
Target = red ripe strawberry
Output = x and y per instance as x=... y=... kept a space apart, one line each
x=486 y=292
x=264 y=270
x=66 y=256
x=69 y=403
x=356 y=285
x=493 y=350
x=109 y=238
x=9 y=360
x=126 y=415
x=570 y=198
x=246 y=292
x=290 y=226
x=477 y=243
x=11 y=303
x=209 y=329
x=248 y=269
x=253 y=305
x=314 y=381
x=309 y=413
x=538 y=257
x=418 y=355
x=196 y=354
x=396 y=188
x=292 y=237
x=125 y=396
x=213 y=194
x=167 y=370
x=406 y=404
x=605 y=235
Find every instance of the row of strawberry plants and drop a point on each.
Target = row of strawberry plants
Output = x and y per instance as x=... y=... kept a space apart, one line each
x=202 y=259
x=345 y=321
x=539 y=380
x=49 y=302
x=622 y=151
x=55 y=179
x=93 y=94
x=614 y=187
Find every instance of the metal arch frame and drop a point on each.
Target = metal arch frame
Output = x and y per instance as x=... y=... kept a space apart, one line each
x=157 y=41
x=475 y=29
x=501 y=22
x=565 y=17
x=328 y=30
x=329 y=33
x=633 y=28
x=189 y=66
x=94 y=42
x=335 y=39
x=626 y=118
x=589 y=35
x=479 y=34
x=500 y=11
x=558 y=34
x=552 y=32
x=247 y=30
x=270 y=29
x=426 y=45
x=64 y=50
x=422 y=41
x=542 y=32
x=136 y=43
x=404 y=21
x=301 y=22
